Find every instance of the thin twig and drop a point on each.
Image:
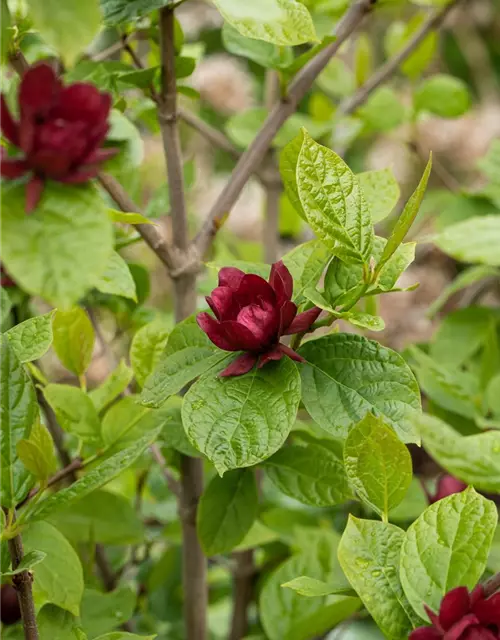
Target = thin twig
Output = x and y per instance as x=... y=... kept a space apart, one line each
x=492 y=585
x=63 y=473
x=432 y=23
x=172 y=483
x=18 y=62
x=213 y=135
x=243 y=579
x=256 y=152
x=23 y=584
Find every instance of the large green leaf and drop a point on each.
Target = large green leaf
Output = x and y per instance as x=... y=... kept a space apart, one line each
x=59 y=578
x=369 y=554
x=474 y=459
x=94 y=518
x=73 y=339
x=74 y=410
x=123 y=635
x=58 y=251
x=474 y=240
x=37 y=452
x=240 y=421
x=227 y=510
x=188 y=354
x=306 y=263
x=5 y=305
x=55 y=623
x=104 y=612
x=115 y=384
x=313 y=588
x=117 y=11
x=442 y=95
x=383 y=110
x=96 y=478
x=69 y=27
x=289 y=157
x=312 y=474
x=116 y=278
x=283 y=22
x=381 y=192
x=333 y=202
x=147 y=347
x=346 y=376
x=263 y=53
x=446 y=547
x=32 y=338
x=377 y=464
x=464 y=279
x=18 y=411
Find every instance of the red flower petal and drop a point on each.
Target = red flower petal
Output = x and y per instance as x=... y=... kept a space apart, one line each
x=478 y=633
x=214 y=331
x=454 y=605
x=488 y=611
x=222 y=303
x=12 y=167
x=243 y=364
x=230 y=277
x=83 y=102
x=80 y=176
x=251 y=288
x=291 y=353
x=38 y=91
x=10 y=128
x=287 y=313
x=273 y=354
x=281 y=281
x=240 y=336
x=303 y=321
x=34 y=190
x=448 y=485
x=456 y=631
x=425 y=633
x=263 y=322
x=101 y=155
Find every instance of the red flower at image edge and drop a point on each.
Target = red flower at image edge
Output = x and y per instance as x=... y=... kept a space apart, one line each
x=447 y=485
x=60 y=130
x=463 y=616
x=251 y=315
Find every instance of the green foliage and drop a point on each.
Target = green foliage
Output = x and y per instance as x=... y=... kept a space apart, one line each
x=254 y=414
x=381 y=192
x=227 y=510
x=446 y=547
x=383 y=110
x=118 y=11
x=147 y=348
x=116 y=278
x=32 y=338
x=312 y=588
x=443 y=96
x=104 y=612
x=377 y=464
x=37 y=453
x=115 y=384
x=397 y=36
x=74 y=410
x=55 y=623
x=29 y=561
x=263 y=53
x=337 y=390
x=73 y=339
x=475 y=240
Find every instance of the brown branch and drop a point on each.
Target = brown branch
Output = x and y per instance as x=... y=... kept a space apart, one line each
x=492 y=585
x=172 y=483
x=213 y=135
x=270 y=238
x=23 y=584
x=243 y=578
x=194 y=563
x=432 y=23
x=65 y=472
x=256 y=152
x=18 y=62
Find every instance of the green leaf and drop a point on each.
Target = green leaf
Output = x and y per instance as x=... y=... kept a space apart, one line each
x=59 y=578
x=227 y=510
x=337 y=79
x=333 y=202
x=312 y=474
x=95 y=478
x=446 y=547
x=55 y=623
x=104 y=612
x=363 y=320
x=74 y=410
x=240 y=421
x=442 y=95
x=363 y=59
x=289 y=157
x=283 y=22
x=37 y=452
x=59 y=250
x=126 y=135
x=68 y=27
x=381 y=192
x=464 y=279
x=377 y=464
x=73 y=339
x=473 y=459
x=18 y=412
x=128 y=218
x=174 y=435
x=122 y=635
x=116 y=278
x=312 y=588
x=126 y=421
x=29 y=561
x=397 y=36
x=5 y=305
x=369 y=553
x=147 y=348
x=474 y=240
x=188 y=354
x=32 y=338
x=94 y=518
x=346 y=376
x=405 y=220
x=306 y=263
x=118 y=11
x=414 y=502
x=286 y=614
x=263 y=53
x=115 y=384
x=383 y=110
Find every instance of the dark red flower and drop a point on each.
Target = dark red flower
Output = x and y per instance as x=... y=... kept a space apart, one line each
x=251 y=315
x=10 y=612
x=463 y=616
x=60 y=131
x=446 y=486
x=6 y=280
